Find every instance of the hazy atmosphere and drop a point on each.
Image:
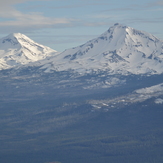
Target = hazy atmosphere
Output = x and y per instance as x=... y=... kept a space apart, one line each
x=81 y=81
x=62 y=24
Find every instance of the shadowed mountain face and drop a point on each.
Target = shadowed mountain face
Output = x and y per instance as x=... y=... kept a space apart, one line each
x=100 y=102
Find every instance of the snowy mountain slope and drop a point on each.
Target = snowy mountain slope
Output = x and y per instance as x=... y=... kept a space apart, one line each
x=17 y=49
x=154 y=93
x=121 y=49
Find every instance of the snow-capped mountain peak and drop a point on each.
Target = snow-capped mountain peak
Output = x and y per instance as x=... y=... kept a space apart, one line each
x=17 y=49
x=120 y=49
x=14 y=39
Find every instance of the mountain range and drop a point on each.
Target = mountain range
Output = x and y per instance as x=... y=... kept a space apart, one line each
x=119 y=50
x=98 y=102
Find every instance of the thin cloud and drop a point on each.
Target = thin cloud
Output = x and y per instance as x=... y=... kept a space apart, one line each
x=12 y=2
x=18 y=20
x=79 y=5
x=139 y=7
x=156 y=3
x=34 y=19
x=145 y=20
x=102 y=16
x=126 y=8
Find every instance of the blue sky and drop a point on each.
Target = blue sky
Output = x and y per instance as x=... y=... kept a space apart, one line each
x=63 y=24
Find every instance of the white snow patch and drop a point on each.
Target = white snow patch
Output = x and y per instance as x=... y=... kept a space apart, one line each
x=150 y=90
x=159 y=101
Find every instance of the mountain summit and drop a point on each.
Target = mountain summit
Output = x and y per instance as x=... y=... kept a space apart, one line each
x=120 y=49
x=17 y=49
